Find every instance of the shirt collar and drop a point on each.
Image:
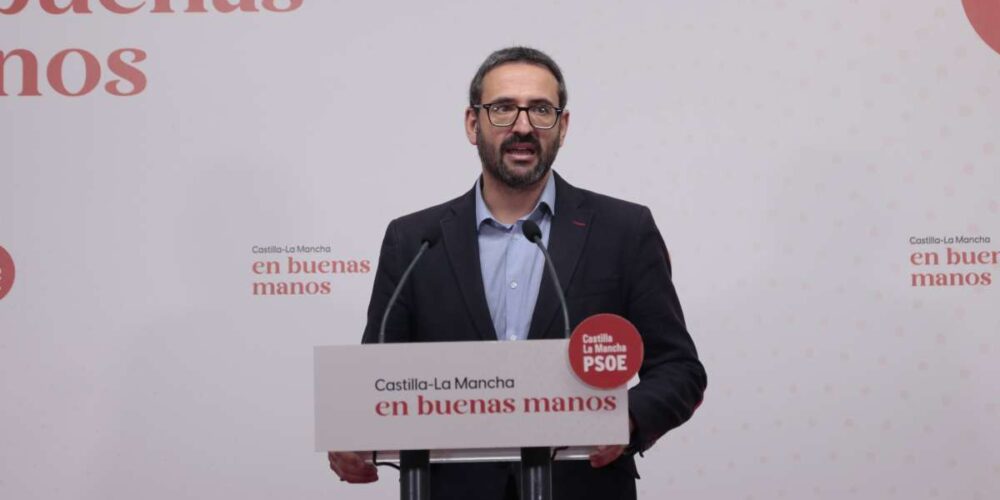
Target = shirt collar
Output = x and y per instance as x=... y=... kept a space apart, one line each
x=546 y=202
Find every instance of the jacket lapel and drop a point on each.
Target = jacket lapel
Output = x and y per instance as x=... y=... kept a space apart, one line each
x=570 y=226
x=461 y=242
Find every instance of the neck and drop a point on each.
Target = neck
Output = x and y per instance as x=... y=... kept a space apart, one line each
x=508 y=204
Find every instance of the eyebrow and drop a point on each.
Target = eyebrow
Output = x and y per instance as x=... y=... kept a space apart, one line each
x=507 y=100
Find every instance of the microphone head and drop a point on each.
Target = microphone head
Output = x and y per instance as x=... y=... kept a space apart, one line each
x=531 y=231
x=431 y=236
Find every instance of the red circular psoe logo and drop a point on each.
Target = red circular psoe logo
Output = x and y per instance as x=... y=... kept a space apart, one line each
x=605 y=351
x=985 y=18
x=6 y=272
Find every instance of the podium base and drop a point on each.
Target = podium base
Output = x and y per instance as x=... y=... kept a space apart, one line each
x=414 y=475
x=536 y=474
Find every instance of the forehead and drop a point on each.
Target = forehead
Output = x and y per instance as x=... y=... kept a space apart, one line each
x=520 y=81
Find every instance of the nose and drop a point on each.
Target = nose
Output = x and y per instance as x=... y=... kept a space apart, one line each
x=522 y=125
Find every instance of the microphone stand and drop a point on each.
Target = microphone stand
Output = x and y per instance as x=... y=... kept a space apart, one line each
x=414 y=474
x=414 y=465
x=536 y=463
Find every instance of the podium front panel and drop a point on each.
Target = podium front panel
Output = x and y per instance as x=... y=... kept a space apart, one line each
x=460 y=395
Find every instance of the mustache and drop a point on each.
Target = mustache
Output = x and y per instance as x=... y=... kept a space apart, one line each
x=514 y=139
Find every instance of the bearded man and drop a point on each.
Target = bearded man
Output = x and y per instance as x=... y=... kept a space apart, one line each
x=486 y=281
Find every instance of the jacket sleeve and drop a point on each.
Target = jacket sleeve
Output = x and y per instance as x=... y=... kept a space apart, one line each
x=671 y=379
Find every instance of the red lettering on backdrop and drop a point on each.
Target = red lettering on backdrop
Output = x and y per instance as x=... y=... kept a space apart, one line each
x=128 y=72
x=292 y=5
x=163 y=6
x=58 y=7
x=29 y=72
x=14 y=7
x=92 y=72
x=122 y=62
x=77 y=6
x=225 y=6
x=117 y=8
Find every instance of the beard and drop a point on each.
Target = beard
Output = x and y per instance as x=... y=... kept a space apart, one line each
x=492 y=158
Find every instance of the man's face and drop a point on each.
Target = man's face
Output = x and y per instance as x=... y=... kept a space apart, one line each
x=520 y=155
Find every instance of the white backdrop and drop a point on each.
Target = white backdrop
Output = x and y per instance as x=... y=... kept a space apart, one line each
x=791 y=152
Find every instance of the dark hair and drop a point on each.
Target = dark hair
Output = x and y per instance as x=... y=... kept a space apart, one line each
x=511 y=55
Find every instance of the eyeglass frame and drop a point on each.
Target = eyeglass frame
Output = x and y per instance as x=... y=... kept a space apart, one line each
x=559 y=112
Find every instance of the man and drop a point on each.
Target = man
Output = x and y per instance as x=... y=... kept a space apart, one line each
x=484 y=281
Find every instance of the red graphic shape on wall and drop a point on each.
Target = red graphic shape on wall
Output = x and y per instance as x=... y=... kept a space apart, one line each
x=6 y=272
x=985 y=18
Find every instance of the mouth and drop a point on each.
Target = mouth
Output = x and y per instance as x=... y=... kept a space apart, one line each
x=521 y=151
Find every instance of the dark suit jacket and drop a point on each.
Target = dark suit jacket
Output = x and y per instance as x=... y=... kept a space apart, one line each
x=610 y=258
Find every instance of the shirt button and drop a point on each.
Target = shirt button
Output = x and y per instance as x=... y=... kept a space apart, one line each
x=513 y=284
x=511 y=336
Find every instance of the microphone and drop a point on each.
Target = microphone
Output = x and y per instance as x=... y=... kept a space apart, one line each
x=534 y=235
x=429 y=239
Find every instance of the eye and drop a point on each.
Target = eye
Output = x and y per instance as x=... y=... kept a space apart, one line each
x=542 y=109
x=503 y=108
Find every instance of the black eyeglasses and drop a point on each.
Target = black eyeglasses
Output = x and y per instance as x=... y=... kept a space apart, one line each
x=503 y=114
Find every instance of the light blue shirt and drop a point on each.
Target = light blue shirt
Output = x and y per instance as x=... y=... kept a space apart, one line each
x=512 y=266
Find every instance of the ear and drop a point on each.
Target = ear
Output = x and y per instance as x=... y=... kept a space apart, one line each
x=563 y=127
x=471 y=125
